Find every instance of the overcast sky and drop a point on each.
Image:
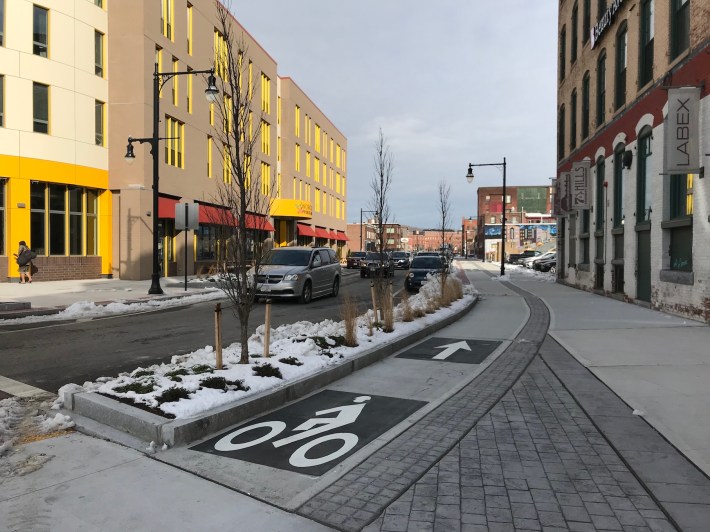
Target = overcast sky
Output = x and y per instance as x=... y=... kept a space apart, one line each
x=448 y=81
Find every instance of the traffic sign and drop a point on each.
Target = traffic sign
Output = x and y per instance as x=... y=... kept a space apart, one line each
x=466 y=351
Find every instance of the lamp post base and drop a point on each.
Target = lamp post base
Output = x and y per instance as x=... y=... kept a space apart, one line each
x=155 y=285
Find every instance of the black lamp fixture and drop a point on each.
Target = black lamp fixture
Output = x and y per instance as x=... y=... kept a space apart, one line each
x=469 y=178
x=159 y=80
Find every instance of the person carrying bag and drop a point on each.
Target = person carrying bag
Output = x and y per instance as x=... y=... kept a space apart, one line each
x=24 y=258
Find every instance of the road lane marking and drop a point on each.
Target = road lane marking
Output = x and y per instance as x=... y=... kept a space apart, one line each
x=20 y=389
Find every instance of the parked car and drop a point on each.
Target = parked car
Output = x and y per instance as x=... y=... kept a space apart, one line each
x=548 y=264
x=442 y=258
x=421 y=267
x=353 y=260
x=401 y=259
x=298 y=272
x=529 y=262
x=375 y=262
x=514 y=258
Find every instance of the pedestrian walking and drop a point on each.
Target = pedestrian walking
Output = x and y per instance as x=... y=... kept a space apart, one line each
x=24 y=258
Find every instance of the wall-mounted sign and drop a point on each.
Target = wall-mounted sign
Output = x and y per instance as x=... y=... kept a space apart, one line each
x=565 y=194
x=682 y=131
x=605 y=21
x=580 y=185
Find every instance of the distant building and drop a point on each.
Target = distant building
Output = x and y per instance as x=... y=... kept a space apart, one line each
x=529 y=220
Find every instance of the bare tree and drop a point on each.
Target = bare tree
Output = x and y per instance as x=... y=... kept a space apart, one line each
x=243 y=196
x=444 y=190
x=380 y=185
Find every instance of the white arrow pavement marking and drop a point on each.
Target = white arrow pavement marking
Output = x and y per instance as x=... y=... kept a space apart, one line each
x=451 y=349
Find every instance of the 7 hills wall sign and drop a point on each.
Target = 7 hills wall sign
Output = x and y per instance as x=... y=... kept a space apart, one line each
x=605 y=21
x=580 y=185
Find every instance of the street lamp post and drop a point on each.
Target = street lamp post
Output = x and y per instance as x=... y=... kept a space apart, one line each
x=361 y=211
x=159 y=80
x=469 y=178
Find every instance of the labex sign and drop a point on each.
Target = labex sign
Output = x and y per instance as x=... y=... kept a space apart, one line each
x=682 y=131
x=605 y=21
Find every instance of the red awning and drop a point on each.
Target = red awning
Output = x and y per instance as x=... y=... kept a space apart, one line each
x=305 y=230
x=342 y=237
x=322 y=233
x=166 y=207
x=209 y=214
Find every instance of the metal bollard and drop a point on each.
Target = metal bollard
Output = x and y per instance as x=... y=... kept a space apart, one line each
x=267 y=328
x=218 y=335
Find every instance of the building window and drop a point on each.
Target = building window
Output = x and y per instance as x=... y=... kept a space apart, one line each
x=99 y=125
x=2 y=217
x=620 y=80
x=561 y=134
x=575 y=33
x=563 y=52
x=57 y=219
x=297 y=121
x=175 y=82
x=76 y=220
x=99 y=53
x=643 y=177
x=2 y=22
x=40 y=17
x=573 y=121
x=618 y=186
x=646 y=43
x=680 y=27
x=266 y=179
x=297 y=155
x=601 y=88
x=207 y=242
x=175 y=142
x=599 y=207
x=99 y=3
x=265 y=137
x=586 y=20
x=189 y=91
x=209 y=156
x=585 y=105
x=92 y=222
x=220 y=56
x=167 y=21
x=189 y=29
x=40 y=108
x=2 y=100
x=318 y=135
x=681 y=207
x=265 y=94
x=38 y=212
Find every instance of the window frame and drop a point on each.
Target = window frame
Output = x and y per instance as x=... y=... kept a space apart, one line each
x=574 y=36
x=561 y=133
x=643 y=188
x=679 y=28
x=2 y=22
x=618 y=213
x=99 y=123
x=646 y=41
x=37 y=45
x=40 y=121
x=599 y=196
x=99 y=55
x=584 y=131
x=601 y=89
x=621 y=66
x=586 y=21
x=573 y=121
x=563 y=52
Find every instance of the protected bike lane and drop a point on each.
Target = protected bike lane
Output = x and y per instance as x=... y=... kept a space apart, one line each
x=523 y=437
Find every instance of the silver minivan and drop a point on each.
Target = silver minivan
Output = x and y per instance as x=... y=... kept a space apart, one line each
x=298 y=272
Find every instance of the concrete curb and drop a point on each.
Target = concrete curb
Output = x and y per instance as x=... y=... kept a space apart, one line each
x=151 y=427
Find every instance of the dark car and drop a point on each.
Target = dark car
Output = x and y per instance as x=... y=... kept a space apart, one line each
x=548 y=264
x=420 y=268
x=401 y=259
x=353 y=260
x=375 y=262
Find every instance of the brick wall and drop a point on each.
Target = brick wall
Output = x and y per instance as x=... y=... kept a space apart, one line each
x=65 y=268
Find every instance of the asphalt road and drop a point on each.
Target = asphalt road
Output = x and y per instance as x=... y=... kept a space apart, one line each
x=50 y=356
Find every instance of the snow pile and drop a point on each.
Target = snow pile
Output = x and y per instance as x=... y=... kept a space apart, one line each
x=296 y=351
x=10 y=416
x=21 y=418
x=88 y=309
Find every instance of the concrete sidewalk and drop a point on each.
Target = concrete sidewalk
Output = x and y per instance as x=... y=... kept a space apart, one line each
x=48 y=297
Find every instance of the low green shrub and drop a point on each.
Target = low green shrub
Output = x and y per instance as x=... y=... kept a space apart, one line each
x=199 y=369
x=172 y=394
x=139 y=387
x=218 y=383
x=293 y=361
x=267 y=370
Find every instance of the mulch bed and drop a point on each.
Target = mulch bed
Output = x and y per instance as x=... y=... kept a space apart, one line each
x=142 y=406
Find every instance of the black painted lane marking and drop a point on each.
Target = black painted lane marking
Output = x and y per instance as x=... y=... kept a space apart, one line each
x=452 y=350
x=313 y=435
